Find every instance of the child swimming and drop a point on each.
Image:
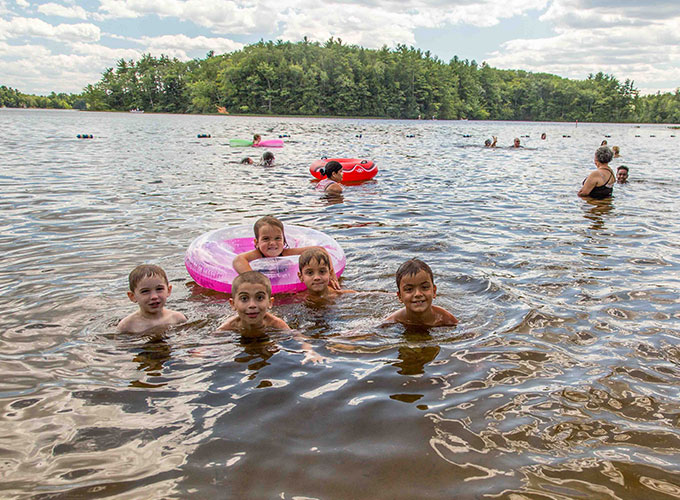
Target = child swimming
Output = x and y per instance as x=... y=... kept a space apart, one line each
x=316 y=270
x=256 y=139
x=333 y=173
x=270 y=241
x=251 y=298
x=267 y=159
x=416 y=290
x=149 y=289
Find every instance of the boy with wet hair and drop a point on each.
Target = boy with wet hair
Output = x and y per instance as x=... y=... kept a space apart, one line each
x=316 y=272
x=416 y=290
x=251 y=298
x=149 y=289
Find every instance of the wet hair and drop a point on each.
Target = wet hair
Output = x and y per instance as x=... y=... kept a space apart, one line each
x=256 y=137
x=622 y=167
x=616 y=150
x=543 y=135
x=268 y=158
x=144 y=271
x=318 y=254
x=254 y=278
x=412 y=267
x=268 y=220
x=330 y=168
x=603 y=143
x=246 y=161
x=603 y=154
x=487 y=142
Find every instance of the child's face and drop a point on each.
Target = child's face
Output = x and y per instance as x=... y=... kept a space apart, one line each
x=416 y=292
x=251 y=302
x=151 y=293
x=270 y=241
x=316 y=276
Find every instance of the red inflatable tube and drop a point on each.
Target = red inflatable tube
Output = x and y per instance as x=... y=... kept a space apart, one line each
x=353 y=169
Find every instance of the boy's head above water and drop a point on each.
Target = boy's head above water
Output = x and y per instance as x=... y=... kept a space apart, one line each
x=315 y=270
x=412 y=267
x=145 y=271
x=251 y=278
x=415 y=286
x=251 y=298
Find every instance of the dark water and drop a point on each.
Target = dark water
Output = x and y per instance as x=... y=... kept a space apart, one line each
x=561 y=380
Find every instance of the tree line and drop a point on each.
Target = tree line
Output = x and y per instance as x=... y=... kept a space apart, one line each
x=336 y=79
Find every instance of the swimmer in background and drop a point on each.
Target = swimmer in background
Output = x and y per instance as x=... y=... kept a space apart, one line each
x=600 y=182
x=622 y=174
x=416 y=290
x=489 y=144
x=149 y=289
x=316 y=269
x=267 y=159
x=516 y=143
x=251 y=298
x=543 y=136
x=616 y=150
x=270 y=241
x=333 y=173
x=246 y=161
x=256 y=139
x=603 y=143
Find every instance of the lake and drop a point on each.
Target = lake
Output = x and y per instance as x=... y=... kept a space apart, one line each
x=561 y=380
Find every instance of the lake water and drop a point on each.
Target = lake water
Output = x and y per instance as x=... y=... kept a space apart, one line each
x=561 y=380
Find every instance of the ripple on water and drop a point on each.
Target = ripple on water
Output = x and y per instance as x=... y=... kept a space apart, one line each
x=559 y=382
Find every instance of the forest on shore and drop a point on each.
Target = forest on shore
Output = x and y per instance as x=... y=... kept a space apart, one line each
x=335 y=79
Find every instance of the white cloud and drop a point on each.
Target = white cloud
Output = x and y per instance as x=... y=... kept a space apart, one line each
x=593 y=35
x=18 y=27
x=221 y=16
x=178 y=45
x=54 y=9
x=35 y=69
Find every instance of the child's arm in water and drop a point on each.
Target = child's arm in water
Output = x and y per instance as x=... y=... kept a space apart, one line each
x=310 y=353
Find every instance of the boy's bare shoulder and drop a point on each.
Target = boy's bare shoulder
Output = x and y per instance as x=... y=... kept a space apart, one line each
x=398 y=316
x=275 y=322
x=136 y=323
x=130 y=323
x=231 y=323
x=444 y=317
x=176 y=317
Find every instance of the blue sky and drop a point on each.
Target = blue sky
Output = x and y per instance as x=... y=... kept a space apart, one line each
x=62 y=45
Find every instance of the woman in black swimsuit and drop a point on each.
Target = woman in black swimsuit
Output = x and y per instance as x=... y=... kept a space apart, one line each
x=600 y=183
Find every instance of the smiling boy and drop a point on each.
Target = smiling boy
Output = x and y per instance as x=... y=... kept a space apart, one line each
x=251 y=298
x=149 y=289
x=316 y=272
x=416 y=290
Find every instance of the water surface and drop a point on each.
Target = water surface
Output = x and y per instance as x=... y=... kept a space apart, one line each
x=561 y=380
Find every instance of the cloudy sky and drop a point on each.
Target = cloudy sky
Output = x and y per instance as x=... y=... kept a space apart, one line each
x=62 y=45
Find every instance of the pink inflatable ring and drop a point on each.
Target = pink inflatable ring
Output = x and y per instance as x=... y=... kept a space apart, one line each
x=209 y=257
x=353 y=169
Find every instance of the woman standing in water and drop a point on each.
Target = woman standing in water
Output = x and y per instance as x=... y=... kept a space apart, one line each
x=600 y=183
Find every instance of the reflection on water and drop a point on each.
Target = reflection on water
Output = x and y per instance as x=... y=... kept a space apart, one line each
x=561 y=380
